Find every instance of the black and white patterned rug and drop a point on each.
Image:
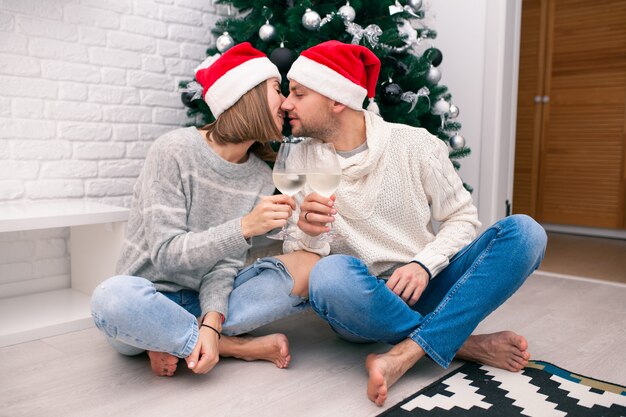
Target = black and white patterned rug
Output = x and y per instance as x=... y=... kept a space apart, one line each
x=539 y=390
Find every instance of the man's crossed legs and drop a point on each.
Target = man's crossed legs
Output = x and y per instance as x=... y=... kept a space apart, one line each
x=482 y=276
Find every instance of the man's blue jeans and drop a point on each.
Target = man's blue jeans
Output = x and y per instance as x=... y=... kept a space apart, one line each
x=484 y=274
x=135 y=317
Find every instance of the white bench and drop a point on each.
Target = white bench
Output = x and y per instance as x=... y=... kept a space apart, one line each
x=96 y=233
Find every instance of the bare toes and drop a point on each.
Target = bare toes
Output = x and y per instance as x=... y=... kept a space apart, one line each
x=163 y=364
x=514 y=366
x=377 y=383
x=283 y=363
x=522 y=343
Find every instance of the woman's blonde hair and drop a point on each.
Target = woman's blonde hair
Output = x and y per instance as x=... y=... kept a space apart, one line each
x=249 y=118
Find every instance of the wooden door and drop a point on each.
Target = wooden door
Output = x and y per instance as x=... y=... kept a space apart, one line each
x=529 y=109
x=572 y=169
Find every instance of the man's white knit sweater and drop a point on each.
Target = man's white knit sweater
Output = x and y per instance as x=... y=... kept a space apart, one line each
x=388 y=196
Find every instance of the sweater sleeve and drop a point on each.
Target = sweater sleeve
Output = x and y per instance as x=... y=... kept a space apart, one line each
x=217 y=285
x=173 y=247
x=307 y=243
x=302 y=240
x=451 y=205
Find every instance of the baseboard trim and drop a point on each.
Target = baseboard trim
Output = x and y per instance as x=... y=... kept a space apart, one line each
x=585 y=231
x=579 y=278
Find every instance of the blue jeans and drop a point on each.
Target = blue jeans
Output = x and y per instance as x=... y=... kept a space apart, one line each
x=261 y=295
x=135 y=317
x=484 y=274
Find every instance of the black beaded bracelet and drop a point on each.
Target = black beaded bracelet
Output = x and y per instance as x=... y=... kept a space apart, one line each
x=219 y=335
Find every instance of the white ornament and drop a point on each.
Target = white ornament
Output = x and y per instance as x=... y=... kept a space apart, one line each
x=397 y=8
x=440 y=107
x=454 y=111
x=371 y=32
x=415 y=4
x=433 y=75
x=311 y=20
x=411 y=97
x=347 y=12
x=224 y=42
x=267 y=32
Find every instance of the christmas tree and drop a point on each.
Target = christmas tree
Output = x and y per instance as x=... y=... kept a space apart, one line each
x=408 y=88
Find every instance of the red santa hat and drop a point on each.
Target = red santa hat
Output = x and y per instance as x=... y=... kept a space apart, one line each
x=343 y=72
x=227 y=77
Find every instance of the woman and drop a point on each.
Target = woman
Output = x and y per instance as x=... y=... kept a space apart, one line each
x=201 y=196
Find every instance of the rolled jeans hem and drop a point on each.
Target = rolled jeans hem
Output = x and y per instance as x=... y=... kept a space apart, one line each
x=191 y=343
x=432 y=354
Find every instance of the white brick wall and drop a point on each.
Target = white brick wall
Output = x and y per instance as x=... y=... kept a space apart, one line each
x=85 y=87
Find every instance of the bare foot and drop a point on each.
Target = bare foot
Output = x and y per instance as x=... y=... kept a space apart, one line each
x=273 y=348
x=505 y=350
x=377 y=367
x=163 y=364
x=384 y=370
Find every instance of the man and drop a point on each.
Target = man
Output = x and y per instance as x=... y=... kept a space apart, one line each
x=397 y=281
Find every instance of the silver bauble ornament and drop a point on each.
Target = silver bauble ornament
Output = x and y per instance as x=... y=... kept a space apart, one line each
x=441 y=107
x=457 y=142
x=415 y=4
x=433 y=75
x=347 y=12
x=311 y=20
x=454 y=111
x=224 y=42
x=267 y=32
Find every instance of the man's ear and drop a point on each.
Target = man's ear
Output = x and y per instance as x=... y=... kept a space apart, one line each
x=337 y=107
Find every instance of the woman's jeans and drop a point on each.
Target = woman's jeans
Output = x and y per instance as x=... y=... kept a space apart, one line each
x=484 y=274
x=136 y=317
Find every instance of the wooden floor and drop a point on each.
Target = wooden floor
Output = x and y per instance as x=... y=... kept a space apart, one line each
x=585 y=256
x=575 y=324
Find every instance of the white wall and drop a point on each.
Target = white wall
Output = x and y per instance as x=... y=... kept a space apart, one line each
x=460 y=27
x=479 y=41
x=85 y=87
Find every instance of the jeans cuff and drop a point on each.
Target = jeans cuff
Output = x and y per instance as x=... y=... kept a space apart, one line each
x=429 y=350
x=191 y=342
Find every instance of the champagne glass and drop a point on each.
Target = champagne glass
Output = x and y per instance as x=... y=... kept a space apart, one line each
x=289 y=176
x=324 y=175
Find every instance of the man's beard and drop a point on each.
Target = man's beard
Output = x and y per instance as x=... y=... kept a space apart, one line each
x=322 y=131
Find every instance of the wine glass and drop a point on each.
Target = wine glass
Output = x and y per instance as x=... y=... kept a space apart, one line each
x=289 y=176
x=324 y=175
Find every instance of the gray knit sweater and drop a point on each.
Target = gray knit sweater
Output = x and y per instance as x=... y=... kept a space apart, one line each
x=184 y=229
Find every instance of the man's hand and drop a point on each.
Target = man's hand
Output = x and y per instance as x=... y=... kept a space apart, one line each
x=206 y=353
x=315 y=212
x=409 y=282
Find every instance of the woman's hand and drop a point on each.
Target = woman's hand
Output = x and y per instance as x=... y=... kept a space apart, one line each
x=206 y=353
x=315 y=212
x=272 y=212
